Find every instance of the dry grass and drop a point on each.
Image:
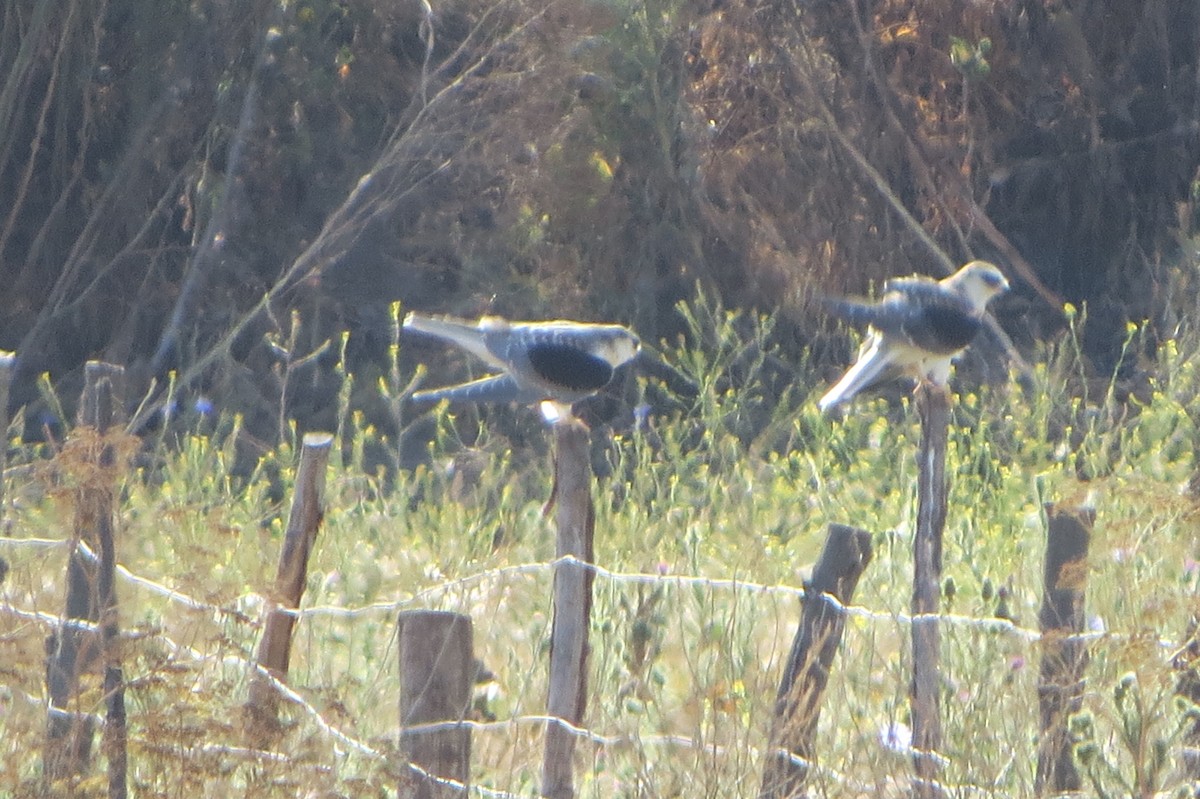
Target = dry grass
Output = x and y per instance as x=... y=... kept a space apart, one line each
x=702 y=547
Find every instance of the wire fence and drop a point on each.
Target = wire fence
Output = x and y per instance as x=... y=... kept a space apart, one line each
x=680 y=677
x=218 y=652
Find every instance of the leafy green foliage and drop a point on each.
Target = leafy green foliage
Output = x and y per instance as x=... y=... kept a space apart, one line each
x=971 y=58
x=705 y=525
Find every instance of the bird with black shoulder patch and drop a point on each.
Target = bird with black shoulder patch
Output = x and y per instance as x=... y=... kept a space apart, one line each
x=559 y=361
x=916 y=329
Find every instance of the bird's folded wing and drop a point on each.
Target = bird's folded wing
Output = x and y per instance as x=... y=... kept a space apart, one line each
x=460 y=331
x=939 y=329
x=918 y=312
x=913 y=284
x=496 y=388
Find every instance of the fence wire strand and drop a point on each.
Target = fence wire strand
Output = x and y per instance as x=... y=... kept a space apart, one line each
x=459 y=585
x=344 y=742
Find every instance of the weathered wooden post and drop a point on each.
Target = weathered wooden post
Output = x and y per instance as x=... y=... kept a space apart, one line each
x=572 y=605
x=275 y=646
x=91 y=595
x=933 y=406
x=437 y=670
x=1187 y=685
x=8 y=365
x=1064 y=654
x=798 y=705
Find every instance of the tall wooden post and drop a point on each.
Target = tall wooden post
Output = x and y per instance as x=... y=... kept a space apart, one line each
x=798 y=705
x=1187 y=685
x=572 y=605
x=91 y=593
x=437 y=666
x=8 y=366
x=933 y=406
x=1064 y=654
x=275 y=646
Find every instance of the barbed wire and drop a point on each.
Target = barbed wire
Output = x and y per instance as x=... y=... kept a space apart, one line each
x=581 y=733
x=343 y=741
x=251 y=599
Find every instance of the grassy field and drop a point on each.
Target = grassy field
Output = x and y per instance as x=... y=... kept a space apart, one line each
x=705 y=529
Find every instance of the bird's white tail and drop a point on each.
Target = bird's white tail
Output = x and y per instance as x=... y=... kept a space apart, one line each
x=870 y=365
x=460 y=331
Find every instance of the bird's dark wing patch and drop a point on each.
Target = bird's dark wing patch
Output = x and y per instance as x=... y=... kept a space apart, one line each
x=942 y=328
x=926 y=316
x=569 y=367
x=916 y=310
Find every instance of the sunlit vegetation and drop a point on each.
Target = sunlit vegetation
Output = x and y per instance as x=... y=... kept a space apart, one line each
x=708 y=519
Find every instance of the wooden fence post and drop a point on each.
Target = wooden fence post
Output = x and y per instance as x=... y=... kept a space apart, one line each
x=933 y=406
x=572 y=605
x=8 y=365
x=91 y=593
x=437 y=670
x=798 y=705
x=1187 y=685
x=275 y=646
x=1064 y=654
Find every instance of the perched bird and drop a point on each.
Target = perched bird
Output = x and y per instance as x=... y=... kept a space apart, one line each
x=916 y=329
x=559 y=361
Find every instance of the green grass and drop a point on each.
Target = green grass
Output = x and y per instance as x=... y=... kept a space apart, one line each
x=704 y=534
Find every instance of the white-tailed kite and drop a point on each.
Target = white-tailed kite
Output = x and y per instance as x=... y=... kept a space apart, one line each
x=916 y=329
x=559 y=361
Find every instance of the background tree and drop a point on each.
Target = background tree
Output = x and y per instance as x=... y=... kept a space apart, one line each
x=181 y=176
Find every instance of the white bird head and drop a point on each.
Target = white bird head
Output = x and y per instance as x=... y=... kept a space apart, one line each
x=978 y=282
x=614 y=343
